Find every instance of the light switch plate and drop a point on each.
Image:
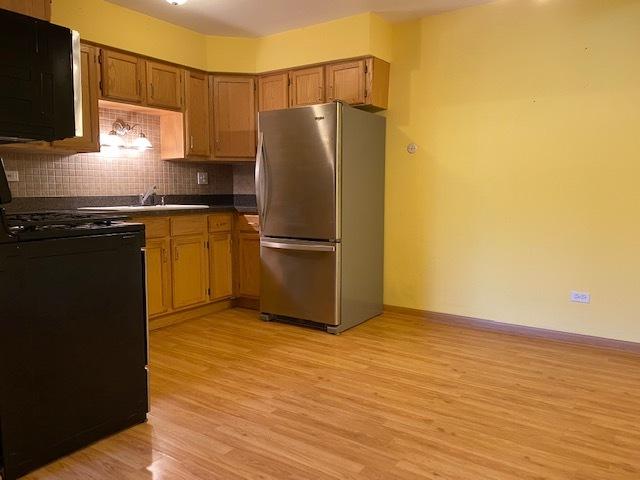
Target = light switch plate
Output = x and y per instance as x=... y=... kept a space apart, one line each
x=203 y=178
x=13 y=176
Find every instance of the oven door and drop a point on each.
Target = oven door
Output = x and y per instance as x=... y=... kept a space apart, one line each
x=300 y=280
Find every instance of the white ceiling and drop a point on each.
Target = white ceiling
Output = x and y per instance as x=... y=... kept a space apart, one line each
x=256 y=18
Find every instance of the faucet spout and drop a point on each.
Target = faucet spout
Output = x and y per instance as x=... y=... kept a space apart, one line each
x=145 y=196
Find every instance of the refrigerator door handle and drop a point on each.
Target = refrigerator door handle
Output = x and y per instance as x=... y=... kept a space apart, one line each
x=297 y=246
x=260 y=177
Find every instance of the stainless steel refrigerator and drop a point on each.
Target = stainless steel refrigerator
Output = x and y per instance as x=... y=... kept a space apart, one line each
x=320 y=191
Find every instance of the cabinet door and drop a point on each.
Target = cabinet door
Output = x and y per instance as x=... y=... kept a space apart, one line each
x=90 y=139
x=220 y=264
x=158 y=290
x=307 y=86
x=377 y=89
x=346 y=81
x=122 y=77
x=273 y=92
x=164 y=85
x=197 y=114
x=34 y=8
x=234 y=117
x=248 y=265
x=189 y=270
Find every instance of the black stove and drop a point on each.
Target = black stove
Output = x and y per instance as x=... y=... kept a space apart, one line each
x=62 y=224
x=73 y=362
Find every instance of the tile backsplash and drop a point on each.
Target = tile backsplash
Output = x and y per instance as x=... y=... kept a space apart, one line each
x=244 y=179
x=114 y=171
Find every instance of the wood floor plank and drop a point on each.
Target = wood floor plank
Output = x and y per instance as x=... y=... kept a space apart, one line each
x=396 y=398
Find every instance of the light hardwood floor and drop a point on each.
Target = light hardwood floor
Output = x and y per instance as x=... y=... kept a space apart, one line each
x=396 y=398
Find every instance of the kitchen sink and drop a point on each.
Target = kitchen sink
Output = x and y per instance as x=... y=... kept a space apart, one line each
x=145 y=208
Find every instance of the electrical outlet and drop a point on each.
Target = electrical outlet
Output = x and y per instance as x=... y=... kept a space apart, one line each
x=203 y=178
x=580 y=297
x=12 y=176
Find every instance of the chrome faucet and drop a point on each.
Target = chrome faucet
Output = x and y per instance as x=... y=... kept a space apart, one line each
x=145 y=196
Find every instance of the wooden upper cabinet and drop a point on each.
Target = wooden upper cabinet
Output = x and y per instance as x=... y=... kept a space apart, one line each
x=164 y=85
x=377 y=84
x=90 y=139
x=363 y=82
x=197 y=131
x=122 y=77
x=273 y=92
x=34 y=8
x=234 y=116
x=306 y=86
x=346 y=81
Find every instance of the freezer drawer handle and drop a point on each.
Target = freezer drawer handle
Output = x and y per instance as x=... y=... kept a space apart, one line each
x=298 y=246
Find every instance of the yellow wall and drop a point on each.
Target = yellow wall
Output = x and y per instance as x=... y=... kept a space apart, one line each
x=365 y=34
x=526 y=184
x=231 y=54
x=104 y=22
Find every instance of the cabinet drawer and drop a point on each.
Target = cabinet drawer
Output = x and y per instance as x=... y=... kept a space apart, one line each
x=219 y=223
x=188 y=225
x=155 y=227
x=247 y=223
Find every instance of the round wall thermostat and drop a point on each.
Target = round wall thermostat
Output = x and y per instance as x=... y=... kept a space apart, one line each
x=412 y=148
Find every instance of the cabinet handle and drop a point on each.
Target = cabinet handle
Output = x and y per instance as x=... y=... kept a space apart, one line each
x=164 y=255
x=191 y=142
x=177 y=255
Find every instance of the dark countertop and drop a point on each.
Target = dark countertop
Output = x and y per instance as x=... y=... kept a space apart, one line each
x=190 y=211
x=217 y=203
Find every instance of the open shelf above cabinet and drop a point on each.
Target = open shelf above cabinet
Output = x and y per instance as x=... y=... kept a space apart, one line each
x=171 y=127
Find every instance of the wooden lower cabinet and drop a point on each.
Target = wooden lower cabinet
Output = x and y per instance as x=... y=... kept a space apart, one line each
x=199 y=261
x=189 y=270
x=248 y=265
x=158 y=279
x=220 y=266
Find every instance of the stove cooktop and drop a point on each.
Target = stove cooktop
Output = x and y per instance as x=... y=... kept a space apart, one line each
x=64 y=223
x=59 y=219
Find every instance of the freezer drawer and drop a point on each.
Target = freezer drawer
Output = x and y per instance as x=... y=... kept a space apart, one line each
x=300 y=279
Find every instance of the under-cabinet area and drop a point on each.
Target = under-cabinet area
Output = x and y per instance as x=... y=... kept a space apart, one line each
x=199 y=263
